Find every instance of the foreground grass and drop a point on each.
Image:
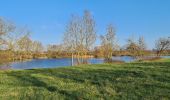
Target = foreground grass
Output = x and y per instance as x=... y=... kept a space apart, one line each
x=147 y=80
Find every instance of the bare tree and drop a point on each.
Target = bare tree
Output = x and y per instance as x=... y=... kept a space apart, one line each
x=132 y=47
x=57 y=48
x=89 y=33
x=73 y=36
x=108 y=42
x=25 y=43
x=98 y=52
x=80 y=35
x=162 y=44
x=142 y=43
x=12 y=38
x=5 y=28
x=89 y=30
x=55 y=51
x=37 y=47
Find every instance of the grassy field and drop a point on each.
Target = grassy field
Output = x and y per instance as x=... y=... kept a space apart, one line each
x=133 y=81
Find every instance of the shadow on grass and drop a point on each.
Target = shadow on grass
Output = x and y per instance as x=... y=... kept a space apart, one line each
x=27 y=80
x=101 y=78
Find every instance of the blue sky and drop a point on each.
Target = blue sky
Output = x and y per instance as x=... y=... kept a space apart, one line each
x=47 y=18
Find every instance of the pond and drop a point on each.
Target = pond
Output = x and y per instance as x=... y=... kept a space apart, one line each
x=60 y=62
x=165 y=56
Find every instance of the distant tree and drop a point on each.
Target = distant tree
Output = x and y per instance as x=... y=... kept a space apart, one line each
x=55 y=51
x=161 y=45
x=98 y=52
x=133 y=47
x=37 y=47
x=142 y=44
x=55 y=48
x=12 y=38
x=108 y=42
x=5 y=28
x=25 y=43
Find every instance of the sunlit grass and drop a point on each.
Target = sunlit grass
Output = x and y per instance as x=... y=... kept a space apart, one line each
x=146 y=80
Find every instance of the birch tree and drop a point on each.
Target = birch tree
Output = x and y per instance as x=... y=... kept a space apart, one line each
x=73 y=37
x=89 y=27
x=80 y=35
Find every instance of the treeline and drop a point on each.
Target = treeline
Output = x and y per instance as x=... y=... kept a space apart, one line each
x=78 y=41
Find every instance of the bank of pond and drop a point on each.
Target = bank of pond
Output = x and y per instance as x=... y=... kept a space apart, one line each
x=60 y=62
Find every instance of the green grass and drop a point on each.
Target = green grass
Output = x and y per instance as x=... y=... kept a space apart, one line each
x=163 y=60
x=133 y=81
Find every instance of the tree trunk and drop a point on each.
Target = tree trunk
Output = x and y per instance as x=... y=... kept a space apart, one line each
x=72 y=61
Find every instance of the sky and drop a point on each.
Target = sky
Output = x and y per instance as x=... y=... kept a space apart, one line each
x=46 y=19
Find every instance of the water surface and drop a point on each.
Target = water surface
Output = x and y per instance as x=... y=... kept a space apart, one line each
x=60 y=62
